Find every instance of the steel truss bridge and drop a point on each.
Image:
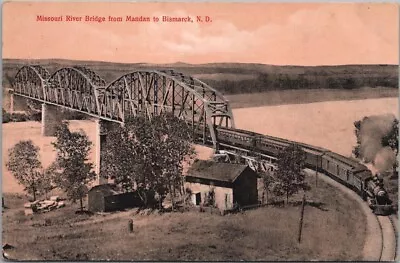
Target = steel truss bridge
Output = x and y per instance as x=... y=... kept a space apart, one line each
x=148 y=92
x=152 y=92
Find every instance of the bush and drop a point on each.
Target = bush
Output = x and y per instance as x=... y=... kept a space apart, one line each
x=35 y=116
x=210 y=198
x=6 y=116
x=19 y=117
x=73 y=115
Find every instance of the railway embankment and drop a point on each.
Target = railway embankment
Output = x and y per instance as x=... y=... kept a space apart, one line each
x=373 y=240
x=380 y=241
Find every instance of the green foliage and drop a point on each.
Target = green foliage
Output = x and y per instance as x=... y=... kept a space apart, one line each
x=392 y=138
x=147 y=155
x=357 y=149
x=210 y=198
x=6 y=117
x=46 y=180
x=309 y=80
x=8 y=80
x=72 y=171
x=268 y=184
x=34 y=114
x=20 y=117
x=25 y=166
x=118 y=157
x=290 y=177
x=266 y=77
x=74 y=115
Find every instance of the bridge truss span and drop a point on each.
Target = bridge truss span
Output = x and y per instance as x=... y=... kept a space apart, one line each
x=75 y=88
x=31 y=81
x=146 y=92
x=152 y=92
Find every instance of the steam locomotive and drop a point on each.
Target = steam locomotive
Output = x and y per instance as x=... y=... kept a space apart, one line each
x=345 y=170
x=376 y=196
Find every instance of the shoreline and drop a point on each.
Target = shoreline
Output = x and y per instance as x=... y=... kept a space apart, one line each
x=307 y=96
x=326 y=124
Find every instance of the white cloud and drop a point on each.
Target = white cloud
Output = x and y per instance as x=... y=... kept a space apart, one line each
x=309 y=36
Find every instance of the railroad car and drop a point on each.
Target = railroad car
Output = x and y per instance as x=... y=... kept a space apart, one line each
x=345 y=170
x=313 y=156
x=359 y=178
x=241 y=138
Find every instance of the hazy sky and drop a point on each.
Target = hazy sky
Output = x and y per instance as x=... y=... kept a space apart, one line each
x=297 y=34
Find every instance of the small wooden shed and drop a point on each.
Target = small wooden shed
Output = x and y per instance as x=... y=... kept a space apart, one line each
x=107 y=198
x=231 y=183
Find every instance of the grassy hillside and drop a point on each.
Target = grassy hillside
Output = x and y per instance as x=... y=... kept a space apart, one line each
x=234 y=78
x=334 y=229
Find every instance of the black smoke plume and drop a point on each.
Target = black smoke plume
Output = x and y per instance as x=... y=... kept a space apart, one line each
x=373 y=148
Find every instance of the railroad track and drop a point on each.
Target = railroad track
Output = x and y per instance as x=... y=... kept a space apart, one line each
x=388 y=228
x=395 y=220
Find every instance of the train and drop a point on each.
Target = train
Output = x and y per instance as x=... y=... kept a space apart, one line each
x=345 y=170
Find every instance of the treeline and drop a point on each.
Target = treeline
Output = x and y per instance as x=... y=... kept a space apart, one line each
x=31 y=115
x=266 y=77
x=265 y=82
x=19 y=116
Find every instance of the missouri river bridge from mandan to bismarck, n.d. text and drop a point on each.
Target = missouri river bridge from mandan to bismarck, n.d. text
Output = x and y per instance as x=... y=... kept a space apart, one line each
x=87 y=18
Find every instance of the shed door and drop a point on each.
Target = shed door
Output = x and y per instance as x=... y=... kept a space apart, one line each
x=198 y=198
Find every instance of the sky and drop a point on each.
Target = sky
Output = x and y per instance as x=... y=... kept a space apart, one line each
x=267 y=33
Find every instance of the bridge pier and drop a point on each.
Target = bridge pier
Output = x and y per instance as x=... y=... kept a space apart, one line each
x=102 y=128
x=51 y=118
x=17 y=103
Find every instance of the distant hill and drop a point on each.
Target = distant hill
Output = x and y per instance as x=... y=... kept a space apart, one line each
x=234 y=78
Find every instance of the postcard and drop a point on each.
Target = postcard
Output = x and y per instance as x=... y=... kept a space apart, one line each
x=207 y=131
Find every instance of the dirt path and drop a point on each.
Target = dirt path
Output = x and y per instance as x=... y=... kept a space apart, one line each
x=373 y=241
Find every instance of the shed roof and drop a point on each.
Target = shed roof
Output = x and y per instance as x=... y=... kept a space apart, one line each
x=106 y=189
x=225 y=172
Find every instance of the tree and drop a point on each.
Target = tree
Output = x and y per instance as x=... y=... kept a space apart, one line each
x=289 y=174
x=176 y=149
x=349 y=83
x=357 y=148
x=391 y=139
x=6 y=116
x=46 y=180
x=72 y=171
x=333 y=83
x=129 y=157
x=148 y=155
x=268 y=183
x=119 y=157
x=25 y=166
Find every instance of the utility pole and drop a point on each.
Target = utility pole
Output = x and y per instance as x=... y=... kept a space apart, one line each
x=301 y=217
x=316 y=172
